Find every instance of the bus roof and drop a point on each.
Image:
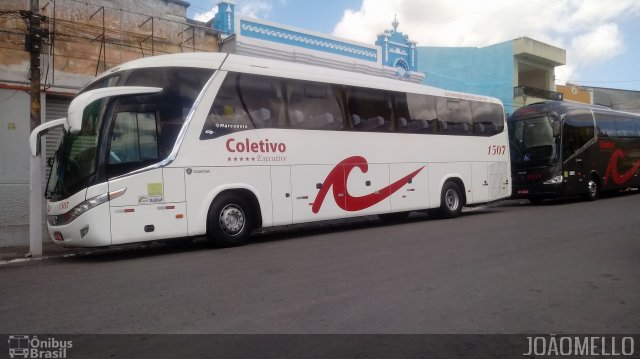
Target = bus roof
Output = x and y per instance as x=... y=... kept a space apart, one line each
x=562 y=107
x=278 y=68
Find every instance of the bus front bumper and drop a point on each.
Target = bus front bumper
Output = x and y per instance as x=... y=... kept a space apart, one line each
x=90 y=229
x=538 y=190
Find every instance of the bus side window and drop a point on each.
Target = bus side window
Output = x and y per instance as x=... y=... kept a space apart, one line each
x=577 y=131
x=626 y=127
x=454 y=116
x=488 y=118
x=423 y=117
x=226 y=114
x=313 y=106
x=606 y=127
x=262 y=96
x=369 y=109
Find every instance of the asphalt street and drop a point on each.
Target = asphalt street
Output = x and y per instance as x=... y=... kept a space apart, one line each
x=564 y=267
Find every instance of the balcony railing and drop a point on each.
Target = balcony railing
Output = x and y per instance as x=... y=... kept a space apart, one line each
x=536 y=92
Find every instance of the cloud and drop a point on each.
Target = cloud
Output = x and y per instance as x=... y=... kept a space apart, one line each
x=585 y=28
x=253 y=8
x=599 y=45
x=256 y=8
x=207 y=15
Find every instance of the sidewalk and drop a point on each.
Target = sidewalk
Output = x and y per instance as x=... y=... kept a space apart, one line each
x=49 y=249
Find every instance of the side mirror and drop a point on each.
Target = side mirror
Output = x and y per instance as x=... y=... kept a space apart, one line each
x=34 y=138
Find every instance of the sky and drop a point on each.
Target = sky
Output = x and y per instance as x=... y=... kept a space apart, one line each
x=602 y=38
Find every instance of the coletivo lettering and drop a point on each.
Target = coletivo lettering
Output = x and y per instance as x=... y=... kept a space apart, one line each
x=262 y=146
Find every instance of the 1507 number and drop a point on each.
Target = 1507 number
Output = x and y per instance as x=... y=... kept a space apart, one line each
x=495 y=150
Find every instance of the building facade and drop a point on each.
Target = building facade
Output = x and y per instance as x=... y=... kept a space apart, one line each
x=616 y=99
x=518 y=72
x=82 y=39
x=393 y=54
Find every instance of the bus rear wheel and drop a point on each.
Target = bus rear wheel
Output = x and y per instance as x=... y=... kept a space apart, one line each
x=593 y=189
x=451 y=200
x=230 y=221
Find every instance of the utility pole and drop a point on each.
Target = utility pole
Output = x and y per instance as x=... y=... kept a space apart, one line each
x=34 y=46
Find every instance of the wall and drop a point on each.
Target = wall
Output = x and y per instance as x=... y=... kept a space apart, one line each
x=14 y=166
x=575 y=93
x=621 y=100
x=486 y=71
x=79 y=52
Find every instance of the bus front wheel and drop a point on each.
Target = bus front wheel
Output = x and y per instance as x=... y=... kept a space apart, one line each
x=230 y=220
x=451 y=201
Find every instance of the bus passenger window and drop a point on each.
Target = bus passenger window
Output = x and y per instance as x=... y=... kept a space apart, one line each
x=488 y=118
x=370 y=109
x=626 y=127
x=227 y=114
x=606 y=127
x=262 y=96
x=422 y=114
x=576 y=133
x=454 y=116
x=313 y=106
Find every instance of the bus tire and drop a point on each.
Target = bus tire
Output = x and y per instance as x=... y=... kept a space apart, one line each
x=451 y=200
x=593 y=189
x=230 y=220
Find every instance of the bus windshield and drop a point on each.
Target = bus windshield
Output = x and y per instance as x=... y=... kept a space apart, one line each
x=141 y=131
x=75 y=159
x=532 y=140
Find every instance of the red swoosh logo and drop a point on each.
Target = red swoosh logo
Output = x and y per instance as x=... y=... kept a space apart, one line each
x=612 y=169
x=337 y=179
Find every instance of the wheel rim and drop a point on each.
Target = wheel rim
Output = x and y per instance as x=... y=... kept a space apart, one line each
x=451 y=199
x=232 y=219
x=593 y=188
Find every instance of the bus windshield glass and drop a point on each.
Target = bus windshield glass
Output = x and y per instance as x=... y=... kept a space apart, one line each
x=532 y=140
x=75 y=159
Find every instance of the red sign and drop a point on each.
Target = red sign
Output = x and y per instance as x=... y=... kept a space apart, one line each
x=337 y=179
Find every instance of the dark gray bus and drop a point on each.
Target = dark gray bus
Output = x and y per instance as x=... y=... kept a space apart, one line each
x=561 y=149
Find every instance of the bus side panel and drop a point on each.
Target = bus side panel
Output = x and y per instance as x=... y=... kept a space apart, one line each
x=441 y=172
x=281 y=195
x=143 y=212
x=415 y=194
x=367 y=185
x=306 y=181
x=480 y=183
x=499 y=175
x=619 y=161
x=203 y=184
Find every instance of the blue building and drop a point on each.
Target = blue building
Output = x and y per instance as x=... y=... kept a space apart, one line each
x=518 y=72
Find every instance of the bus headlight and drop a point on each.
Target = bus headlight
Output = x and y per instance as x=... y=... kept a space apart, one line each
x=78 y=210
x=555 y=180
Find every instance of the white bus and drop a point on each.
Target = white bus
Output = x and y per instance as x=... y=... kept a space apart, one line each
x=216 y=144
